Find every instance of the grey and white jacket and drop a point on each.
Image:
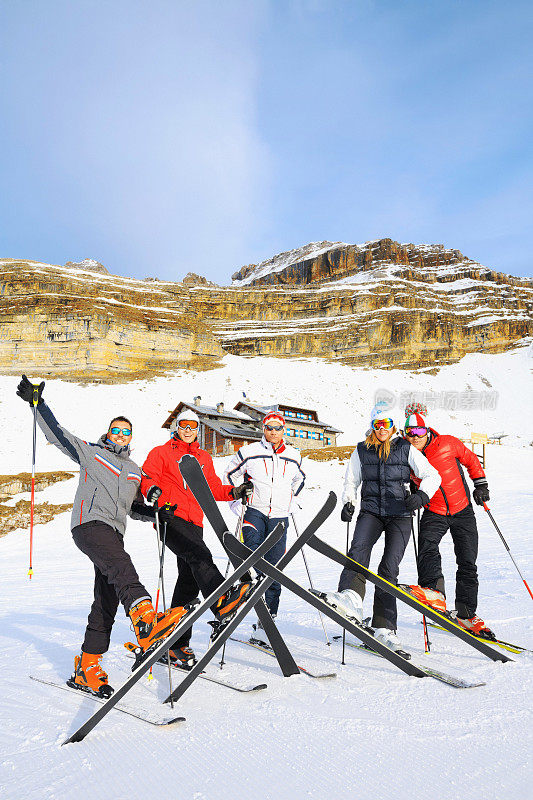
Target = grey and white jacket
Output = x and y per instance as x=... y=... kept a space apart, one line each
x=109 y=479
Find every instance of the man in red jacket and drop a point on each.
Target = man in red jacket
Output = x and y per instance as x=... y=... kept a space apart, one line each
x=449 y=509
x=162 y=482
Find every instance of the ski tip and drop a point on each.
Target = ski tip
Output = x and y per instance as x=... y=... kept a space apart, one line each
x=259 y=686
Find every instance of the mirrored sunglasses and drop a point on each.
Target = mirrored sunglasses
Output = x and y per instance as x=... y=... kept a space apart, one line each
x=387 y=424
x=124 y=431
x=273 y=427
x=191 y=424
x=415 y=431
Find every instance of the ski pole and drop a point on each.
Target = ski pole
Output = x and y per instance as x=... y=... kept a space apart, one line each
x=344 y=629
x=427 y=643
x=487 y=509
x=35 y=400
x=310 y=581
x=238 y=534
x=161 y=583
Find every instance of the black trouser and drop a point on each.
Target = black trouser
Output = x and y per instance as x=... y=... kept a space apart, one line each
x=463 y=529
x=115 y=579
x=196 y=570
x=368 y=529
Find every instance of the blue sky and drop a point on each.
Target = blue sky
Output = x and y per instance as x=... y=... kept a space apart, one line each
x=168 y=136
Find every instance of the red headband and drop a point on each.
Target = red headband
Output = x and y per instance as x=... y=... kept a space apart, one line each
x=274 y=415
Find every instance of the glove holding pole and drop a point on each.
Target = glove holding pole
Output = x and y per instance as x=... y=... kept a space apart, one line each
x=32 y=394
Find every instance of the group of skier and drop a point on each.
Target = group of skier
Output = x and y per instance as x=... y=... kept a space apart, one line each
x=385 y=465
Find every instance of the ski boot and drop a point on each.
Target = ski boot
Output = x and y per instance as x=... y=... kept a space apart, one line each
x=430 y=597
x=388 y=637
x=259 y=636
x=88 y=676
x=180 y=657
x=151 y=629
x=347 y=602
x=227 y=606
x=477 y=627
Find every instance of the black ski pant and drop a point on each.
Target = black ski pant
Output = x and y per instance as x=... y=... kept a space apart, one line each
x=115 y=580
x=368 y=529
x=463 y=529
x=196 y=569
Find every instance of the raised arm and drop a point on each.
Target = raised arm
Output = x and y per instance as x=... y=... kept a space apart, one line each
x=72 y=446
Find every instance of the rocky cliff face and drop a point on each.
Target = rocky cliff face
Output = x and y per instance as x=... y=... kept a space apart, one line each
x=377 y=304
x=78 y=324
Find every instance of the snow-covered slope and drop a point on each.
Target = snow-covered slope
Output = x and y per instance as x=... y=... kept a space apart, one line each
x=371 y=732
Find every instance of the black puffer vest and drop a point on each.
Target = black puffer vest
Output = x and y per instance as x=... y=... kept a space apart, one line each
x=383 y=490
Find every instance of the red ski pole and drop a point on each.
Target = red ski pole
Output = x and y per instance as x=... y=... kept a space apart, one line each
x=35 y=400
x=485 y=506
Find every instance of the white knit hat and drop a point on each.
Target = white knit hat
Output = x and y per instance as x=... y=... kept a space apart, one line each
x=380 y=411
x=186 y=414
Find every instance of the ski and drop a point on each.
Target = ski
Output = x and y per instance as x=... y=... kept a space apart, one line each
x=195 y=478
x=257 y=593
x=151 y=658
x=397 y=591
x=168 y=720
x=451 y=680
x=268 y=650
x=513 y=648
x=212 y=679
x=358 y=630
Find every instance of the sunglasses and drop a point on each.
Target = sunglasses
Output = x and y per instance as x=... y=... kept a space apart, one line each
x=416 y=431
x=191 y=424
x=273 y=427
x=387 y=424
x=124 y=431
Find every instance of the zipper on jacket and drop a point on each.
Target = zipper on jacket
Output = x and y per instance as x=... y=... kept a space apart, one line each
x=446 y=501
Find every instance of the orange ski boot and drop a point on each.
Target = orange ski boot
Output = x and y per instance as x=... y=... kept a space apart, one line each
x=476 y=626
x=227 y=605
x=430 y=597
x=88 y=676
x=151 y=629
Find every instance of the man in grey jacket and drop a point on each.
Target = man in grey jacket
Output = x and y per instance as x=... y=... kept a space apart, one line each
x=108 y=486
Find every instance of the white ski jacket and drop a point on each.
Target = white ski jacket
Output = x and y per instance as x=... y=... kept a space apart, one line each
x=277 y=475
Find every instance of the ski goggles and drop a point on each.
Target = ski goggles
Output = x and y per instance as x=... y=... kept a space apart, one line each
x=387 y=424
x=123 y=431
x=273 y=427
x=415 y=431
x=191 y=424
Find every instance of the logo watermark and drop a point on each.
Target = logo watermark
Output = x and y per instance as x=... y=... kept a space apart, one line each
x=467 y=400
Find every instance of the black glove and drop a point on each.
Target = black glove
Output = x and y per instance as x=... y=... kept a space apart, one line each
x=27 y=391
x=416 y=500
x=153 y=494
x=243 y=491
x=481 y=491
x=140 y=510
x=347 y=512
x=166 y=512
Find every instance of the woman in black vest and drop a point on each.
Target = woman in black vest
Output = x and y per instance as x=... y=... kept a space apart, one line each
x=382 y=464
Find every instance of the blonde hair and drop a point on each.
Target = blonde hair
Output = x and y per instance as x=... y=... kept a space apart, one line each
x=382 y=448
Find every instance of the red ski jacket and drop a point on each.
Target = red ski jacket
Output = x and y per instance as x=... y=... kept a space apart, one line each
x=446 y=454
x=161 y=469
